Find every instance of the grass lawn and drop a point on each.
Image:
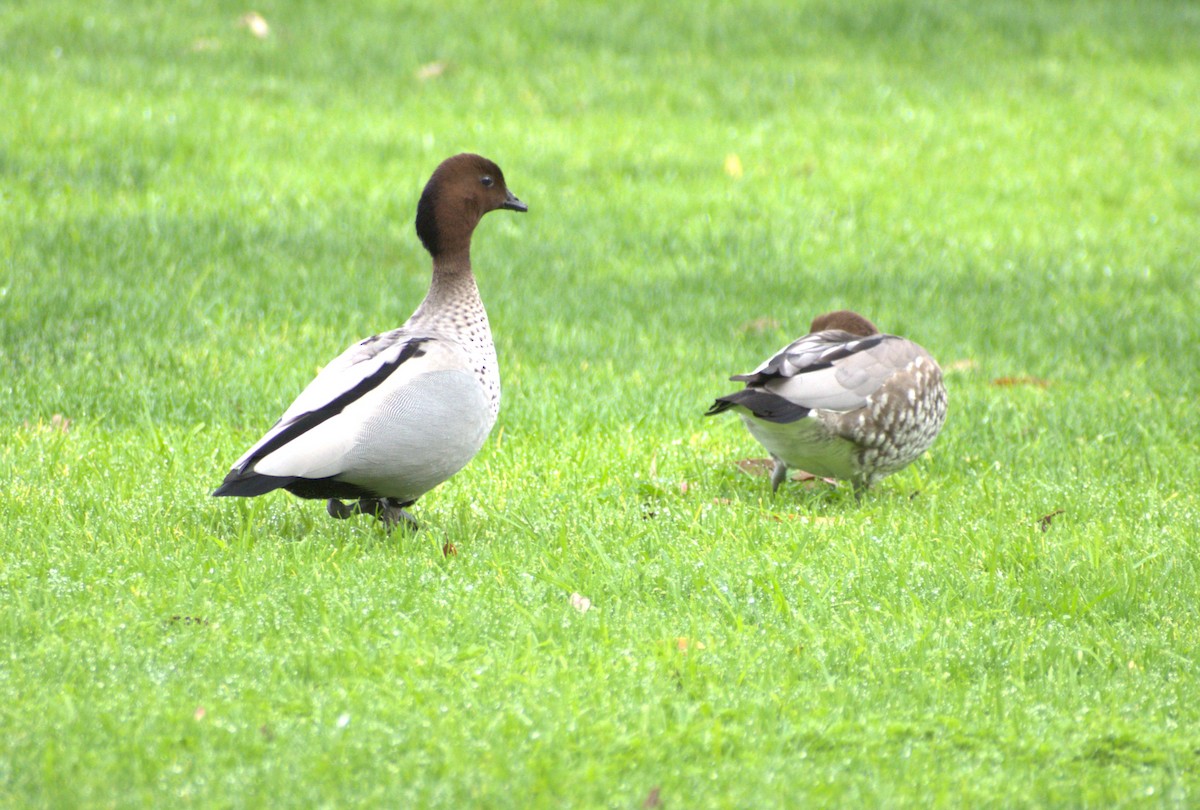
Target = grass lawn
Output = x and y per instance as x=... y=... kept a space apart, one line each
x=194 y=218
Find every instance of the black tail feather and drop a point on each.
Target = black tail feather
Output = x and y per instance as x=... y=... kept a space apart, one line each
x=763 y=404
x=720 y=406
x=248 y=484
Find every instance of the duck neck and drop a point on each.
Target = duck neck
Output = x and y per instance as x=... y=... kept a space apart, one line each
x=452 y=286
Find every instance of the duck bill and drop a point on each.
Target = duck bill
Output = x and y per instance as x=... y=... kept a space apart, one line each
x=513 y=204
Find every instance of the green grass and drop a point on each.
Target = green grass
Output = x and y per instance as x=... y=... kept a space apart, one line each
x=193 y=220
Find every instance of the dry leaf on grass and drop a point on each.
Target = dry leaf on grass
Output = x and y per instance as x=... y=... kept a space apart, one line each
x=57 y=424
x=733 y=166
x=1045 y=520
x=815 y=520
x=1005 y=382
x=448 y=550
x=187 y=620
x=431 y=70
x=801 y=475
x=756 y=466
x=765 y=466
x=759 y=325
x=255 y=23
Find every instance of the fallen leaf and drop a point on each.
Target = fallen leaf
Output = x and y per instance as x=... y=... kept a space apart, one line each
x=255 y=23
x=766 y=466
x=448 y=550
x=1011 y=381
x=733 y=166
x=57 y=424
x=581 y=602
x=756 y=466
x=652 y=799
x=188 y=620
x=759 y=325
x=816 y=520
x=431 y=70
x=1045 y=520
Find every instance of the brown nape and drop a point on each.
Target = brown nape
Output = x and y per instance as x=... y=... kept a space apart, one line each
x=846 y=321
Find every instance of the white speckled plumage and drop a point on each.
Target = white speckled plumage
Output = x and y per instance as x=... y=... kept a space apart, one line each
x=399 y=413
x=844 y=401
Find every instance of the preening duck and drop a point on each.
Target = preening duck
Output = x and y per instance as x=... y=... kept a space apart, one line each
x=844 y=401
x=397 y=414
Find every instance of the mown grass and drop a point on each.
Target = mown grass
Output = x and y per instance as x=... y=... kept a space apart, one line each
x=194 y=220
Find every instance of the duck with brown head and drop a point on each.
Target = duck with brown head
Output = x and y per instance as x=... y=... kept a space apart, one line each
x=397 y=414
x=844 y=401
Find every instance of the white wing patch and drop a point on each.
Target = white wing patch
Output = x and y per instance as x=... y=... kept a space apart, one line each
x=320 y=451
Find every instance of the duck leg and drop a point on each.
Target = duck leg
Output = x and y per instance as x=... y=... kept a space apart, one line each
x=382 y=508
x=779 y=474
x=392 y=514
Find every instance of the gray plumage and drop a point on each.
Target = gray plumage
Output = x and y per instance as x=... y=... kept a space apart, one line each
x=399 y=413
x=844 y=401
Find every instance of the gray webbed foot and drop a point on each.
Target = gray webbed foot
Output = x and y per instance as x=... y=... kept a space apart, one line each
x=390 y=513
x=339 y=510
x=393 y=514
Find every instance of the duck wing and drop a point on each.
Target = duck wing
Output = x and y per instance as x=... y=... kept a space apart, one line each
x=317 y=431
x=831 y=370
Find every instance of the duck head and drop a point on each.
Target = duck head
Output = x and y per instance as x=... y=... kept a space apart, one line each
x=462 y=189
x=845 y=321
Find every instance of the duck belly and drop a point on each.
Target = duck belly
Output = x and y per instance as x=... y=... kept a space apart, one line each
x=806 y=444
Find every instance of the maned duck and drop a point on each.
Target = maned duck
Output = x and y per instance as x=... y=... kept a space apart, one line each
x=844 y=401
x=398 y=413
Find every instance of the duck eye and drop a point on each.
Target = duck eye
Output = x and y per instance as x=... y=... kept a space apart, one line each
x=487 y=181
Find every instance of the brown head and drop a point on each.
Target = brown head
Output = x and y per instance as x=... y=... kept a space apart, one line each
x=844 y=320
x=462 y=189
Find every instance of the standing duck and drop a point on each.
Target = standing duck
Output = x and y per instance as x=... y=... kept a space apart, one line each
x=397 y=414
x=844 y=401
